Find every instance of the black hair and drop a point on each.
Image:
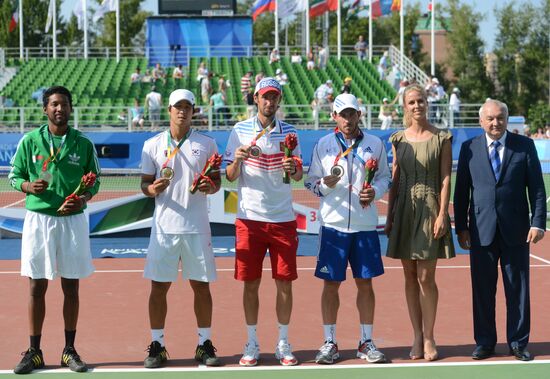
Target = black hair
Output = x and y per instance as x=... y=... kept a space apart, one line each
x=59 y=90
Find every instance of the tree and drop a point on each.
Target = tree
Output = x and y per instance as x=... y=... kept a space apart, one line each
x=131 y=23
x=466 y=55
x=522 y=55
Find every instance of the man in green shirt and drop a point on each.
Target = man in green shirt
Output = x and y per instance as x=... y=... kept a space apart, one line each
x=48 y=165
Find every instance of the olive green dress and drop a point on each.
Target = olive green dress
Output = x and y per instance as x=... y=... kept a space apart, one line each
x=417 y=203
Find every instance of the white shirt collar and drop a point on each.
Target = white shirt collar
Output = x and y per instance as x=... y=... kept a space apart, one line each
x=489 y=141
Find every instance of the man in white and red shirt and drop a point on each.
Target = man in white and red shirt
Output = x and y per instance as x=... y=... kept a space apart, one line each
x=246 y=83
x=265 y=219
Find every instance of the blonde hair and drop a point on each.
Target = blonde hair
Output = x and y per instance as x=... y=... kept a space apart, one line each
x=415 y=87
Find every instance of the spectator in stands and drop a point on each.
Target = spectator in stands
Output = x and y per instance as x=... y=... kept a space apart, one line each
x=178 y=72
x=454 y=105
x=436 y=95
x=384 y=61
x=310 y=60
x=323 y=57
x=259 y=77
x=281 y=77
x=381 y=71
x=363 y=111
x=346 y=88
x=202 y=72
x=246 y=83
x=547 y=132
x=222 y=84
x=526 y=128
x=250 y=103
x=206 y=89
x=137 y=112
x=158 y=73
x=136 y=76
x=539 y=134
x=38 y=94
x=180 y=231
x=399 y=97
x=221 y=111
x=396 y=76
x=274 y=57
x=386 y=114
x=361 y=48
x=153 y=105
x=324 y=95
x=147 y=78
x=296 y=57
x=55 y=240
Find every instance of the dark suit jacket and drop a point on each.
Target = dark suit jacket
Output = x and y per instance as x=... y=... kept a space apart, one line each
x=481 y=203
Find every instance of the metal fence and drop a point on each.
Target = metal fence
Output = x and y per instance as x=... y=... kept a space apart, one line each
x=109 y=119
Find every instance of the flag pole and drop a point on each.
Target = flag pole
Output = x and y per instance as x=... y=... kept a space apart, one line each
x=117 y=31
x=308 y=47
x=370 y=31
x=401 y=34
x=85 y=11
x=432 y=69
x=339 y=27
x=277 y=25
x=21 y=29
x=54 y=37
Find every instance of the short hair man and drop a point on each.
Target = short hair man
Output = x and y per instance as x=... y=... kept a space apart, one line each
x=48 y=166
x=498 y=184
x=265 y=219
x=348 y=232
x=181 y=229
x=153 y=103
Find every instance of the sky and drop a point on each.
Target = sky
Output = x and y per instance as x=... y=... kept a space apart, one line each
x=488 y=27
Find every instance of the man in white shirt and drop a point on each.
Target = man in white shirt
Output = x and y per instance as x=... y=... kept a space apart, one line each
x=181 y=229
x=349 y=218
x=265 y=218
x=153 y=103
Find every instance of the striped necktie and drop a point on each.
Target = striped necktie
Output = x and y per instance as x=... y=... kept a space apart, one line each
x=495 y=159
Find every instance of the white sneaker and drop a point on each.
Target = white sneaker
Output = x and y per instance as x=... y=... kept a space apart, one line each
x=251 y=355
x=327 y=354
x=368 y=351
x=283 y=352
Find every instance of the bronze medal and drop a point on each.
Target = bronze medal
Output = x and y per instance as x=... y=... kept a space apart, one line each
x=167 y=173
x=255 y=151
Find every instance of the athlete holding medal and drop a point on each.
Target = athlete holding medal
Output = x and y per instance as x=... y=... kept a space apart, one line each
x=348 y=232
x=265 y=220
x=181 y=229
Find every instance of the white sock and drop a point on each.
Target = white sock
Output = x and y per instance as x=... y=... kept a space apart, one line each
x=158 y=335
x=252 y=337
x=330 y=332
x=283 y=333
x=204 y=334
x=366 y=332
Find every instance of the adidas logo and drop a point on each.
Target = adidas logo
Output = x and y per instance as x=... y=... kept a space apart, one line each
x=368 y=150
x=324 y=270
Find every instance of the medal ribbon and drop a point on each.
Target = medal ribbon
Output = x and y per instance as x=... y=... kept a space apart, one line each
x=171 y=154
x=263 y=131
x=346 y=150
x=53 y=155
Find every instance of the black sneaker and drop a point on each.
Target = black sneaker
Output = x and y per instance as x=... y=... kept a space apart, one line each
x=157 y=355
x=206 y=353
x=32 y=359
x=71 y=359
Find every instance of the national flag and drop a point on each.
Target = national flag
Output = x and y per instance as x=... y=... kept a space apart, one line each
x=319 y=7
x=430 y=6
x=261 y=6
x=396 y=5
x=50 y=16
x=289 y=8
x=14 y=20
x=360 y=9
x=105 y=7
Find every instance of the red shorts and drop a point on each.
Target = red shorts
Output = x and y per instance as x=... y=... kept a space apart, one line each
x=254 y=238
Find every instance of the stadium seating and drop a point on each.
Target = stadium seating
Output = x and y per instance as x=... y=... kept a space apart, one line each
x=97 y=83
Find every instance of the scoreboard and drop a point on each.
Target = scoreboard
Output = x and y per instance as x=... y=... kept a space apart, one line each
x=201 y=7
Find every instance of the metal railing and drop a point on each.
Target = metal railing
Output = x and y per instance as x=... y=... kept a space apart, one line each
x=409 y=70
x=114 y=119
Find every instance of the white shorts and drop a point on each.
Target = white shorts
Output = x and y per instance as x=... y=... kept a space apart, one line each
x=55 y=247
x=165 y=252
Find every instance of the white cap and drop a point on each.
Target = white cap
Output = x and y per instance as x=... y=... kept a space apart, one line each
x=456 y=89
x=278 y=71
x=385 y=99
x=268 y=84
x=345 y=101
x=435 y=80
x=181 y=94
x=328 y=82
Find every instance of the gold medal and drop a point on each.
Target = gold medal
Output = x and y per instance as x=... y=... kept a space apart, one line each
x=337 y=170
x=46 y=175
x=167 y=173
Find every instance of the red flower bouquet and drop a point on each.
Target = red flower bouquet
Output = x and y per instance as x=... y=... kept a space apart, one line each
x=86 y=182
x=291 y=141
x=213 y=163
x=370 y=168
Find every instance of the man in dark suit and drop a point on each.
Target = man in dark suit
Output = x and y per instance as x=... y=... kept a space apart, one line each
x=498 y=178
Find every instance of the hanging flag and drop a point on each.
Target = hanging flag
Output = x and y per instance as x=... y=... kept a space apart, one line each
x=319 y=7
x=261 y=6
x=14 y=20
x=78 y=11
x=396 y=5
x=105 y=7
x=288 y=9
x=50 y=16
x=430 y=5
x=361 y=8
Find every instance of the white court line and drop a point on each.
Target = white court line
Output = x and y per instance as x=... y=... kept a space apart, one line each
x=265 y=269
x=14 y=203
x=301 y=367
x=540 y=259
